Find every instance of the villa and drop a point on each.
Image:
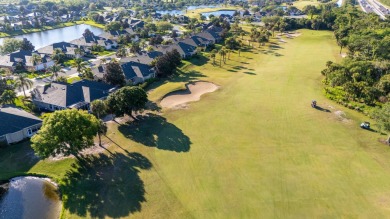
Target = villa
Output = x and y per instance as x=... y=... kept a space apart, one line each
x=24 y=59
x=137 y=72
x=79 y=95
x=69 y=49
x=89 y=41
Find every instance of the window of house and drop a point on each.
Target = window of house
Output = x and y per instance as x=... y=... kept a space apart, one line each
x=29 y=132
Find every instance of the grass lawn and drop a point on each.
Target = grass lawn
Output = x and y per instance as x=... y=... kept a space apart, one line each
x=252 y=149
x=196 y=12
x=385 y=2
x=104 y=53
x=93 y=23
x=73 y=79
x=302 y=3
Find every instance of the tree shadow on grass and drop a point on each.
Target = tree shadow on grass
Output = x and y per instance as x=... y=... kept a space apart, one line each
x=199 y=60
x=155 y=131
x=105 y=186
x=16 y=159
x=275 y=47
x=152 y=106
x=249 y=73
x=182 y=76
x=239 y=67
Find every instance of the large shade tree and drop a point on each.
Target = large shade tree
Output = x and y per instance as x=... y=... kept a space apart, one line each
x=114 y=74
x=27 y=45
x=127 y=100
x=65 y=132
x=382 y=116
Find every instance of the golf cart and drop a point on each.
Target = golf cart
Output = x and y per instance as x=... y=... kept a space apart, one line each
x=313 y=103
x=365 y=125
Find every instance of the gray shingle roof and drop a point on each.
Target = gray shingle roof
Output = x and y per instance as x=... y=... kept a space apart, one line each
x=135 y=69
x=66 y=95
x=14 y=120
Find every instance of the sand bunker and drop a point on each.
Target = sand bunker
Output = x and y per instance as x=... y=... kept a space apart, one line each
x=193 y=93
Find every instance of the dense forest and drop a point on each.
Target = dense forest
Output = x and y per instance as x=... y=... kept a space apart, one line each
x=362 y=79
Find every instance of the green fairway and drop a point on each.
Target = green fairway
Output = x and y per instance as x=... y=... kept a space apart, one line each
x=252 y=149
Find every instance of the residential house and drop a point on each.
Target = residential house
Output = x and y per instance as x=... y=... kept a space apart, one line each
x=185 y=50
x=211 y=36
x=67 y=48
x=89 y=41
x=137 y=72
x=135 y=24
x=17 y=125
x=114 y=34
x=23 y=58
x=79 y=95
x=143 y=58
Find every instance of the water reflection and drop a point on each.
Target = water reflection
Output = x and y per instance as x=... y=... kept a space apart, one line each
x=30 y=197
x=44 y=38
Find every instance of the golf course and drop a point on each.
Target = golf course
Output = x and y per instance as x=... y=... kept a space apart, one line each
x=253 y=148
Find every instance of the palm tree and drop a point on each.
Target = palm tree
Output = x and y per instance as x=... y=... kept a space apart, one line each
x=8 y=97
x=98 y=108
x=79 y=52
x=79 y=64
x=58 y=55
x=212 y=55
x=228 y=51
x=122 y=52
x=87 y=74
x=103 y=60
x=215 y=52
x=102 y=131
x=36 y=59
x=23 y=83
x=222 y=53
x=54 y=70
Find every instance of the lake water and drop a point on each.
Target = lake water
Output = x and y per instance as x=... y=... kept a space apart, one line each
x=45 y=38
x=171 y=12
x=30 y=197
x=219 y=13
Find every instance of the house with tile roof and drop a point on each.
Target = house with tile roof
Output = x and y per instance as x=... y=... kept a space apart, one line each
x=67 y=48
x=24 y=59
x=89 y=41
x=79 y=95
x=17 y=124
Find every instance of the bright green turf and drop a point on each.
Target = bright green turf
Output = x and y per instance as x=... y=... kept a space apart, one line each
x=253 y=149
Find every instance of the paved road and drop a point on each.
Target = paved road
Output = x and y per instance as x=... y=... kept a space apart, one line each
x=373 y=6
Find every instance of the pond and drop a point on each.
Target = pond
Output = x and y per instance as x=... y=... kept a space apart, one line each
x=219 y=13
x=45 y=38
x=30 y=197
x=171 y=12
